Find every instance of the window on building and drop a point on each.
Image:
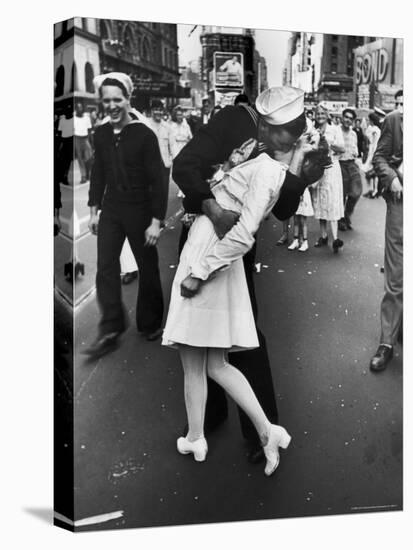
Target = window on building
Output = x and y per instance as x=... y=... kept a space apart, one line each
x=334 y=37
x=73 y=81
x=334 y=50
x=105 y=30
x=60 y=81
x=57 y=30
x=165 y=57
x=89 y=76
x=334 y=67
x=128 y=39
x=146 y=51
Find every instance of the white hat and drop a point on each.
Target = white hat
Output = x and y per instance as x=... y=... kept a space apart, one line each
x=120 y=77
x=280 y=105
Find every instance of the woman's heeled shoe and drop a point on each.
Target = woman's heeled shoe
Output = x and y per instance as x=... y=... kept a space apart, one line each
x=337 y=243
x=295 y=244
x=322 y=241
x=198 y=448
x=277 y=437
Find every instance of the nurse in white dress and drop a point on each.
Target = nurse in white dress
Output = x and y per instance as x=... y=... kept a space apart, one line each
x=210 y=311
x=219 y=317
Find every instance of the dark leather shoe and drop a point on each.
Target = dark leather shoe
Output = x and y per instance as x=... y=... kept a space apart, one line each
x=103 y=344
x=348 y=225
x=255 y=453
x=337 y=243
x=322 y=241
x=151 y=336
x=129 y=277
x=342 y=226
x=381 y=358
x=282 y=240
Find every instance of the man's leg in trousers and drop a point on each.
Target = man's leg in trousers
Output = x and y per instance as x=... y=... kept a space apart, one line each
x=344 y=177
x=354 y=189
x=108 y=285
x=149 y=303
x=217 y=405
x=392 y=303
x=255 y=364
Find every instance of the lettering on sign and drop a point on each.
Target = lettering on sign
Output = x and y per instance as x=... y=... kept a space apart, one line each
x=372 y=66
x=363 y=96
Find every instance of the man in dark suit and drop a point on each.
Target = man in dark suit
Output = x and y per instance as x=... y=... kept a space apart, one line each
x=388 y=164
x=212 y=145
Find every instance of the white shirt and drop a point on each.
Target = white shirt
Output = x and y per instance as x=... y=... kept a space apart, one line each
x=163 y=133
x=82 y=124
x=251 y=189
x=66 y=126
x=181 y=134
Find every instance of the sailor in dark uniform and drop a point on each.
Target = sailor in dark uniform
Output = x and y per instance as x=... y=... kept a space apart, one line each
x=194 y=165
x=127 y=186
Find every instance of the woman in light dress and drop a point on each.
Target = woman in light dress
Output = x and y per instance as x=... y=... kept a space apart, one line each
x=373 y=133
x=328 y=191
x=218 y=317
x=181 y=132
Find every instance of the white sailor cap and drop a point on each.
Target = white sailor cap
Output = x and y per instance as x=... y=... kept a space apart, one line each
x=281 y=104
x=120 y=77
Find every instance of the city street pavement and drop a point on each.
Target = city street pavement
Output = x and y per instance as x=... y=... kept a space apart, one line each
x=320 y=314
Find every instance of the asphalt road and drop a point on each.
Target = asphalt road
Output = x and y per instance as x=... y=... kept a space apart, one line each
x=320 y=314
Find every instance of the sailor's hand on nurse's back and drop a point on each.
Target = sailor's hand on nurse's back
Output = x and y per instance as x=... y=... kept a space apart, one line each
x=190 y=286
x=222 y=220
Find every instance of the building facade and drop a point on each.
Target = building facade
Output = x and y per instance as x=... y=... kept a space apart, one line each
x=323 y=65
x=76 y=62
x=147 y=52
x=378 y=73
x=218 y=42
x=191 y=80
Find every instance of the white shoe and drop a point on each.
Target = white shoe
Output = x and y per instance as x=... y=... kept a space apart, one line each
x=294 y=245
x=304 y=246
x=198 y=448
x=277 y=437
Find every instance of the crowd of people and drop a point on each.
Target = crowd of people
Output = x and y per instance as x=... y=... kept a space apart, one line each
x=352 y=142
x=233 y=166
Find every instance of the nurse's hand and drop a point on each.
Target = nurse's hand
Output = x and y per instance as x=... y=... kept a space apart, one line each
x=190 y=286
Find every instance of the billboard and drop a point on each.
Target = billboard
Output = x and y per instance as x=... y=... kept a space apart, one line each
x=378 y=72
x=228 y=69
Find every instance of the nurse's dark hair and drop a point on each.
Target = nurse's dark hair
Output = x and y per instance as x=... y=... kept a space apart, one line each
x=295 y=127
x=113 y=82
